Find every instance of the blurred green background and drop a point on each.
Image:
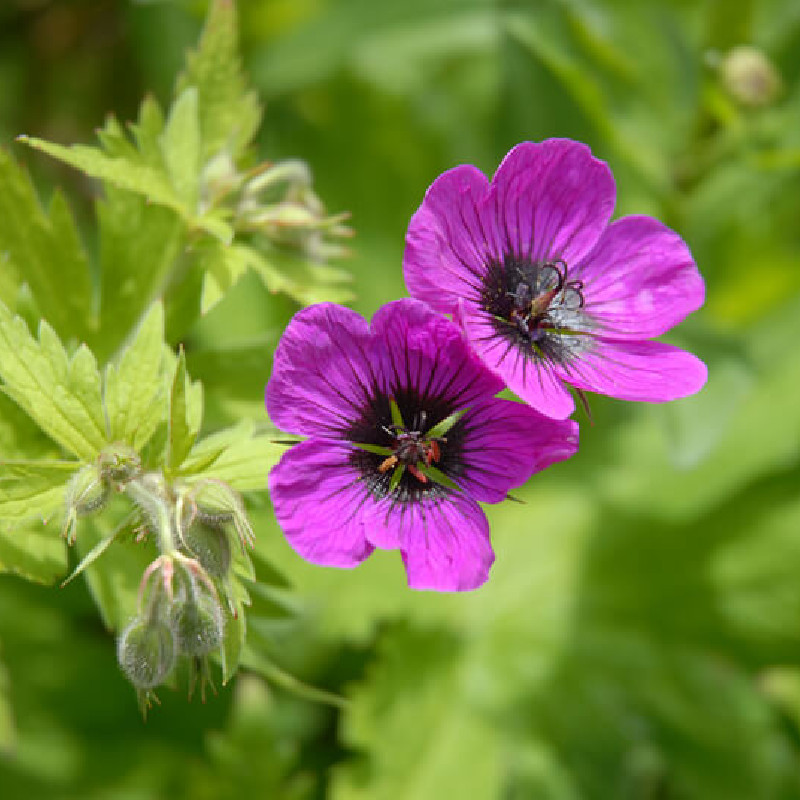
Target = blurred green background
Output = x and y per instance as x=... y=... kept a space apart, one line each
x=639 y=637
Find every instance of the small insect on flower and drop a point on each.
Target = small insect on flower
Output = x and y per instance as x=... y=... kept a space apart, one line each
x=549 y=294
x=405 y=439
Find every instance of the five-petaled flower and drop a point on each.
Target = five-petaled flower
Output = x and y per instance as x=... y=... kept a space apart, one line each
x=405 y=436
x=547 y=291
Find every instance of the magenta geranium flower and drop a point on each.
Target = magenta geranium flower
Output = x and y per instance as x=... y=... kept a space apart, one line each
x=405 y=438
x=548 y=292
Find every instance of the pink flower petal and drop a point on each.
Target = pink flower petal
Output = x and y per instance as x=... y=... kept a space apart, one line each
x=649 y=371
x=506 y=442
x=323 y=372
x=444 y=541
x=427 y=352
x=640 y=280
x=553 y=199
x=320 y=503
x=450 y=238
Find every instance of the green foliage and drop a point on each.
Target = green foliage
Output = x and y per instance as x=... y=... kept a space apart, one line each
x=183 y=206
x=134 y=385
x=167 y=186
x=31 y=552
x=229 y=114
x=185 y=415
x=33 y=242
x=146 y=390
x=61 y=394
x=415 y=686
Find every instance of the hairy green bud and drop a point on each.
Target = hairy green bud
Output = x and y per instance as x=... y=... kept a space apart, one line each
x=210 y=545
x=198 y=625
x=216 y=504
x=146 y=652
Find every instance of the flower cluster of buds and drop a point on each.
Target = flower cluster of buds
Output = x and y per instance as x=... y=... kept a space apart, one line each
x=181 y=594
x=276 y=201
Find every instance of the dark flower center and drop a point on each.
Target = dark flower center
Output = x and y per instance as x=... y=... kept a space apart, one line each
x=410 y=446
x=413 y=450
x=536 y=306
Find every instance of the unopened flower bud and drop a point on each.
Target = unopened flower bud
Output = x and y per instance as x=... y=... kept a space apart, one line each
x=146 y=652
x=220 y=177
x=209 y=544
x=198 y=625
x=216 y=504
x=291 y=172
x=750 y=76
x=283 y=216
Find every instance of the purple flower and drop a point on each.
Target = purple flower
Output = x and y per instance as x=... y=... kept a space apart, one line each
x=405 y=437
x=547 y=291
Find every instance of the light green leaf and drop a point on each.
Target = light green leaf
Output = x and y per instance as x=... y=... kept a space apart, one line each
x=147 y=132
x=683 y=458
x=61 y=395
x=235 y=456
x=36 y=554
x=235 y=635
x=33 y=489
x=185 y=414
x=534 y=569
x=122 y=172
x=755 y=570
x=180 y=144
x=20 y=436
x=542 y=31
x=260 y=663
x=136 y=385
x=9 y=280
x=140 y=242
x=45 y=251
x=301 y=279
x=229 y=114
x=125 y=173
x=223 y=266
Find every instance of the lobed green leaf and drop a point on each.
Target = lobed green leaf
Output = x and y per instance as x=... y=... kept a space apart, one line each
x=44 y=251
x=185 y=415
x=35 y=554
x=236 y=456
x=33 y=489
x=136 y=385
x=62 y=395
x=180 y=145
x=229 y=114
x=126 y=173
